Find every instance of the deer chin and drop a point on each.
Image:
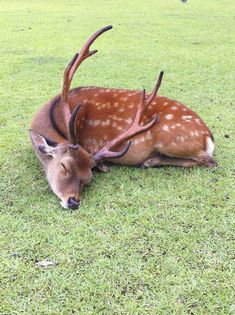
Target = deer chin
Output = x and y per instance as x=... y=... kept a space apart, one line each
x=64 y=204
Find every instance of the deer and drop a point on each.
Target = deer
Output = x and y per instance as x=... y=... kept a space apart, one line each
x=83 y=128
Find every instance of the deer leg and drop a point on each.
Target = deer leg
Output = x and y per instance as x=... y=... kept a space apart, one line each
x=160 y=160
x=102 y=167
x=206 y=160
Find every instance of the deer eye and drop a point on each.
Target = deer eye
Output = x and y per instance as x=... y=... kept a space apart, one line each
x=64 y=168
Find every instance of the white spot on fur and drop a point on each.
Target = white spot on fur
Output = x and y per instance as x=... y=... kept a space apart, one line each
x=174 y=107
x=169 y=116
x=187 y=117
x=149 y=135
x=173 y=126
x=105 y=122
x=198 y=121
x=209 y=146
x=192 y=133
x=178 y=125
x=114 y=117
x=159 y=145
x=184 y=109
x=120 y=128
x=180 y=138
x=96 y=122
x=133 y=93
x=121 y=109
x=196 y=133
x=128 y=120
x=165 y=128
x=165 y=103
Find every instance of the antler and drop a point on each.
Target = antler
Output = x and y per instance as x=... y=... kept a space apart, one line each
x=71 y=69
x=135 y=127
x=72 y=125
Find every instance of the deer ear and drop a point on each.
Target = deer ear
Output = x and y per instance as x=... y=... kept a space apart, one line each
x=42 y=144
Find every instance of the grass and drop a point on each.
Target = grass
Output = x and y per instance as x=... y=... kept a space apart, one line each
x=157 y=241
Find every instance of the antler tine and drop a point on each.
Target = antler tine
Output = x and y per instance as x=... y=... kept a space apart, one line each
x=155 y=90
x=66 y=83
x=135 y=127
x=65 y=91
x=85 y=53
x=72 y=125
x=145 y=101
x=71 y=69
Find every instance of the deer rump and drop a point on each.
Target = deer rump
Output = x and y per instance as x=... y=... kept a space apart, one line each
x=81 y=128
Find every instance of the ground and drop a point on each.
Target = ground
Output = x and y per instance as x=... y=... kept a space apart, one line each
x=156 y=241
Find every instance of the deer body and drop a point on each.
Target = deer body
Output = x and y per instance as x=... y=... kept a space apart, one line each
x=105 y=112
x=180 y=132
x=85 y=126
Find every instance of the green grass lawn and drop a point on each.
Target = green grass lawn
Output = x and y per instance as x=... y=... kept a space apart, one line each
x=156 y=241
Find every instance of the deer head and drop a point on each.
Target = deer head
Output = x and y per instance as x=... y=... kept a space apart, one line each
x=67 y=167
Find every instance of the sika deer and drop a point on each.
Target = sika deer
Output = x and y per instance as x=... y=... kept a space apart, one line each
x=81 y=128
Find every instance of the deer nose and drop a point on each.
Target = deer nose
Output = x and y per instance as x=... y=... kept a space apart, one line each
x=73 y=203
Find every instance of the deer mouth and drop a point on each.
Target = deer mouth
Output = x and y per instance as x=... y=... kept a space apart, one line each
x=72 y=203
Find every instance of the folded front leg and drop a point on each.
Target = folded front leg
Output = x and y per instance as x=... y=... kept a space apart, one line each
x=102 y=167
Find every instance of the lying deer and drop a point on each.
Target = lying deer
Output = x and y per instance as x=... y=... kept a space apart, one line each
x=83 y=127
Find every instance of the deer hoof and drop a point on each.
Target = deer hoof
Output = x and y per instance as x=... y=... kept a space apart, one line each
x=102 y=167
